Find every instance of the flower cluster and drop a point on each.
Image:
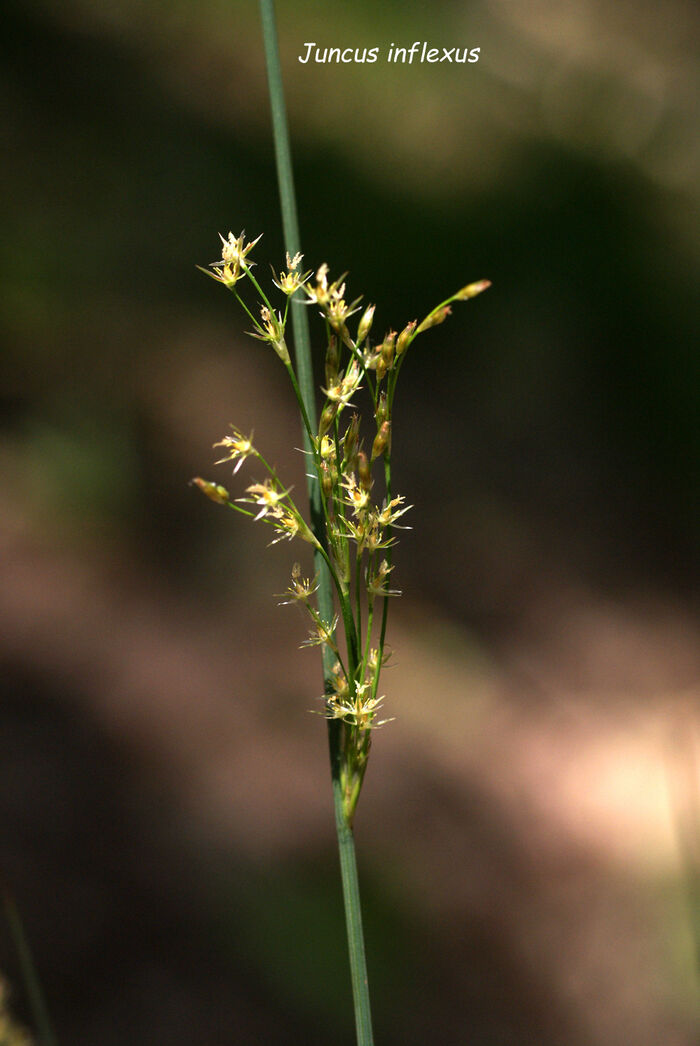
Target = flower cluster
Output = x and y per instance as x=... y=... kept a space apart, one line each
x=356 y=541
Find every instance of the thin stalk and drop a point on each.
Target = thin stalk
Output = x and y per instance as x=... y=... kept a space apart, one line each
x=370 y=617
x=304 y=413
x=385 y=607
x=358 y=600
x=302 y=343
x=35 y=995
x=285 y=181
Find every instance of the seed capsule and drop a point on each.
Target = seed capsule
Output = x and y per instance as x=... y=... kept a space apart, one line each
x=381 y=440
x=388 y=349
x=472 y=289
x=364 y=471
x=326 y=419
x=326 y=480
x=405 y=337
x=365 y=324
x=434 y=318
x=332 y=360
x=351 y=441
x=213 y=491
x=381 y=411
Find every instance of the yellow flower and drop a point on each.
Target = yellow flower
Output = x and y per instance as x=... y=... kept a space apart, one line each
x=389 y=513
x=326 y=448
x=322 y=633
x=289 y=524
x=272 y=329
x=357 y=497
x=359 y=711
x=238 y=447
x=235 y=251
x=232 y=265
x=331 y=299
x=338 y=312
x=267 y=495
x=373 y=660
x=319 y=293
x=376 y=583
x=301 y=589
x=374 y=539
x=345 y=389
x=289 y=282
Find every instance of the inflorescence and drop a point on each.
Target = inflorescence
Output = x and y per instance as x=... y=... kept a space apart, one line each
x=358 y=532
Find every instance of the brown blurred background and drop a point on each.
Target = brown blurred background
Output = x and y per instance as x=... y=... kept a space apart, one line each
x=528 y=833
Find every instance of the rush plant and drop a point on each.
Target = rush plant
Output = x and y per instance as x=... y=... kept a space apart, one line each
x=353 y=512
x=355 y=536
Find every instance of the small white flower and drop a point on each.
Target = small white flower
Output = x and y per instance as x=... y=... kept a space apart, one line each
x=268 y=496
x=238 y=447
x=234 y=250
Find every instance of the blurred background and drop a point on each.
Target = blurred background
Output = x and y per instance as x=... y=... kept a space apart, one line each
x=528 y=831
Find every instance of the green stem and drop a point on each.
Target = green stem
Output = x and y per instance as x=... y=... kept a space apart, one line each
x=358 y=603
x=30 y=976
x=370 y=617
x=302 y=343
x=353 y=920
x=285 y=181
x=302 y=407
x=385 y=607
x=246 y=309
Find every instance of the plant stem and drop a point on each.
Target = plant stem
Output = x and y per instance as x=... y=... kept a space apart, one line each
x=30 y=976
x=300 y=326
x=285 y=181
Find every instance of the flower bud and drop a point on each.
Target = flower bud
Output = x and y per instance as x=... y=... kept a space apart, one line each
x=350 y=443
x=405 y=337
x=364 y=471
x=381 y=440
x=365 y=324
x=387 y=349
x=332 y=360
x=213 y=491
x=327 y=448
x=381 y=412
x=326 y=420
x=434 y=318
x=472 y=289
x=326 y=480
